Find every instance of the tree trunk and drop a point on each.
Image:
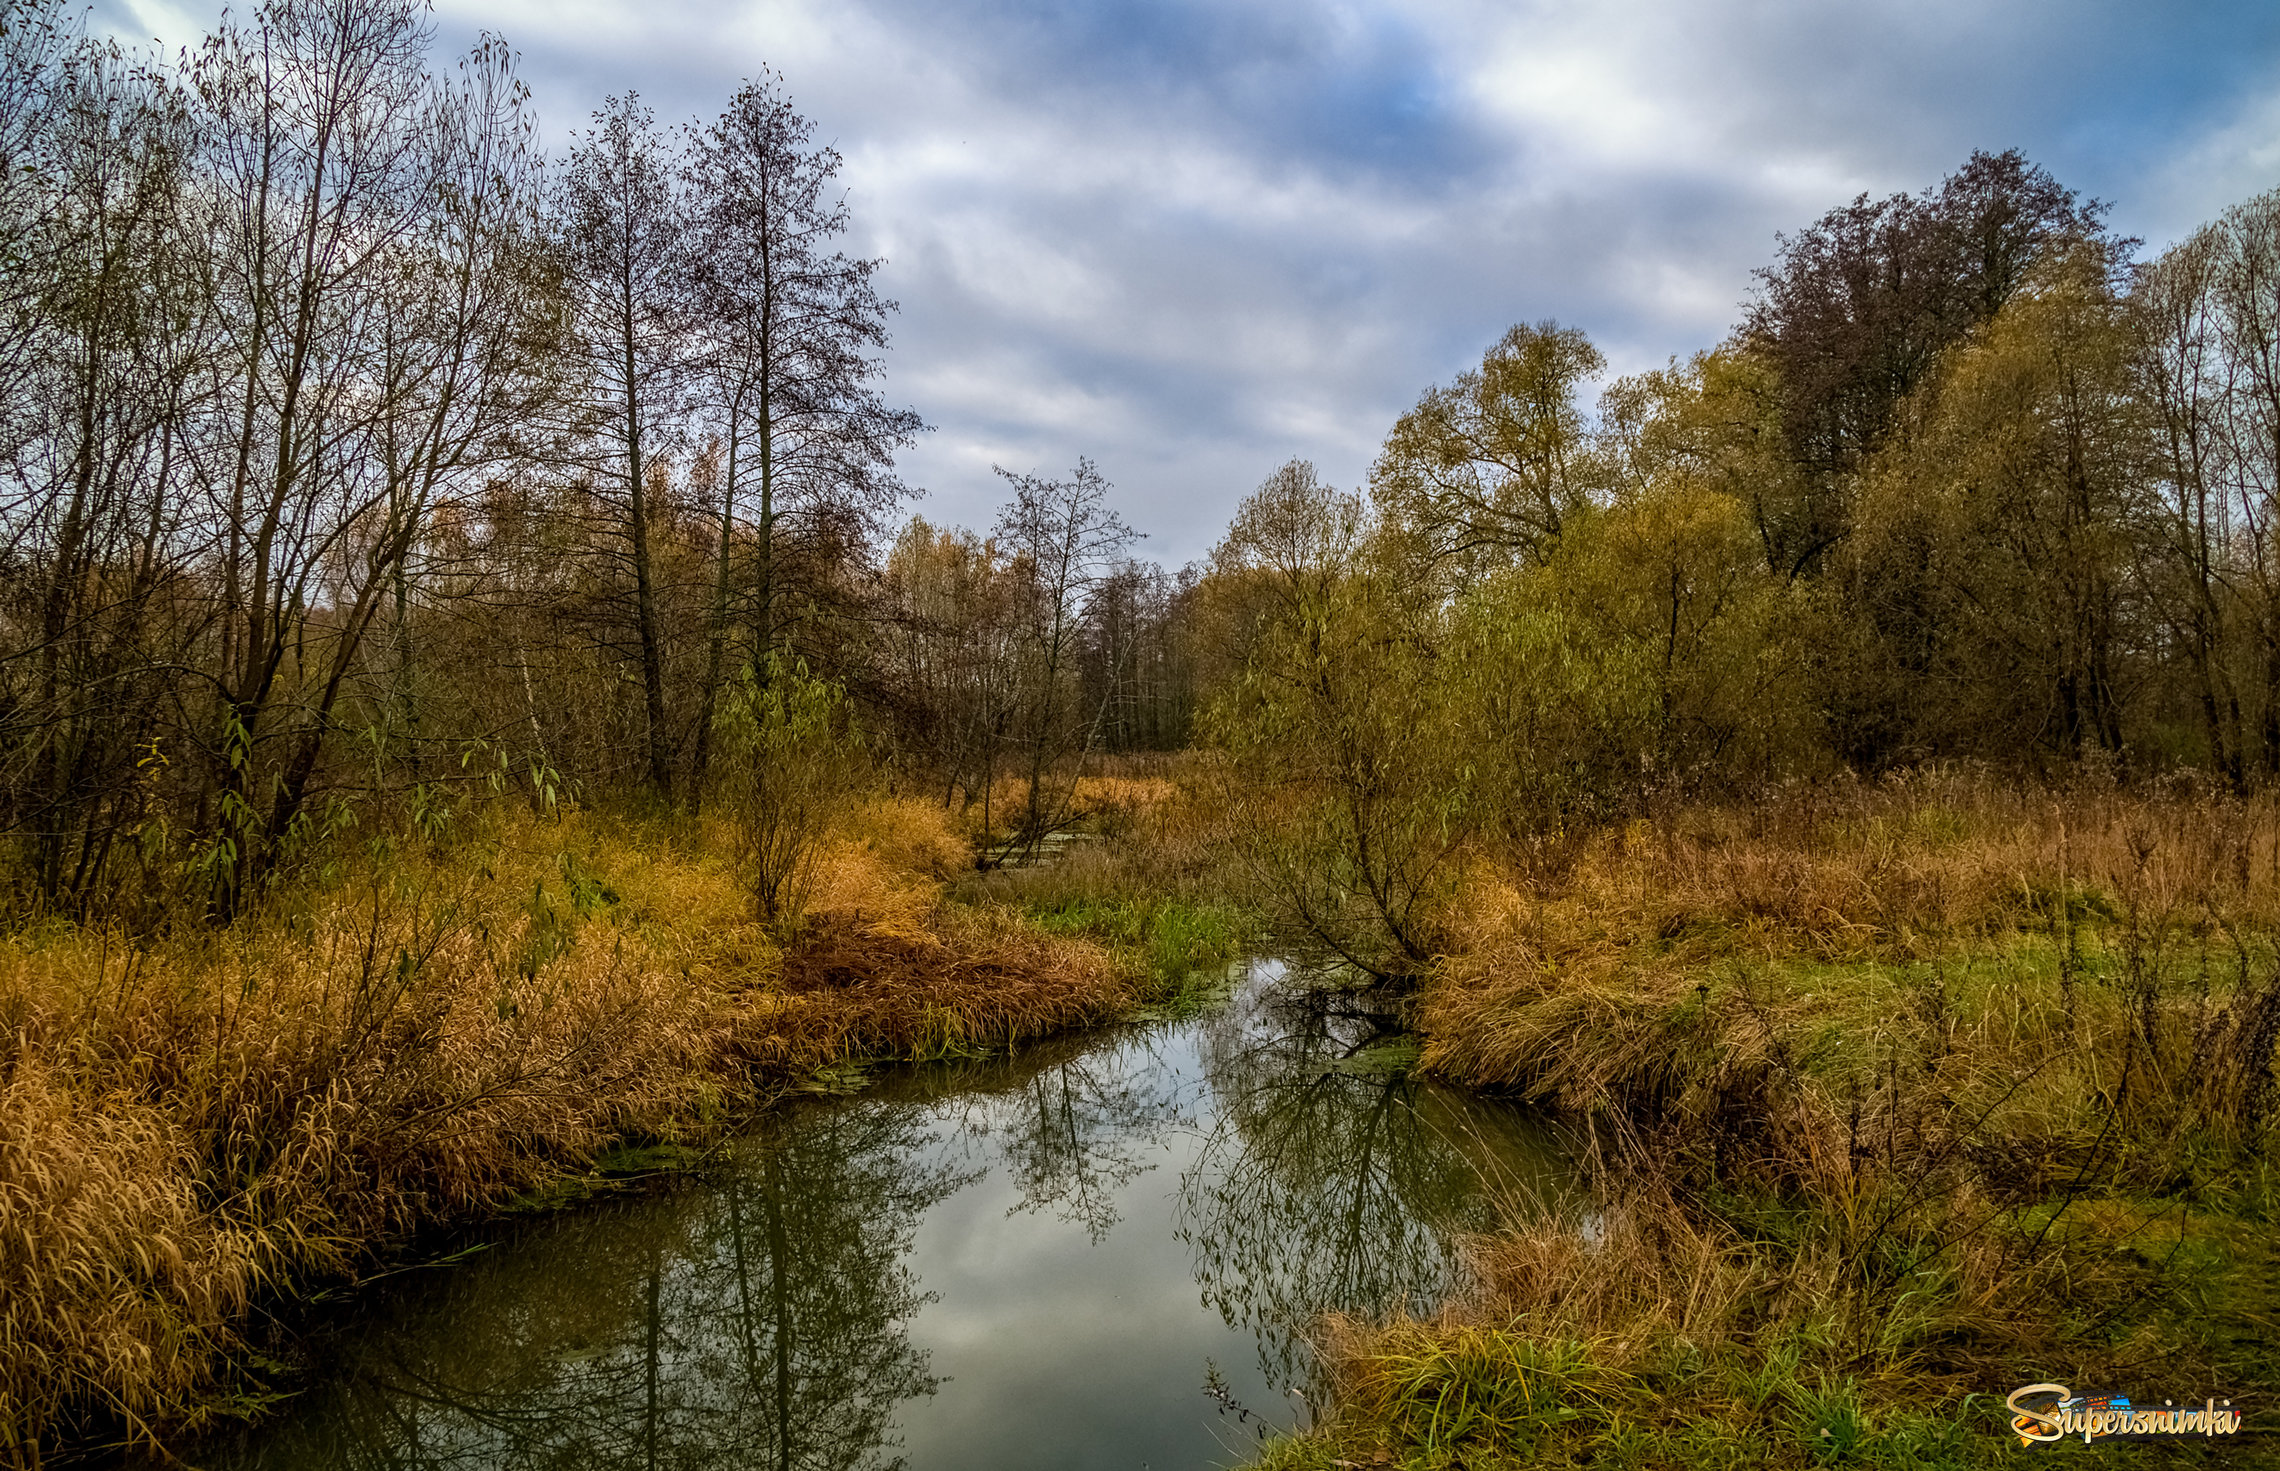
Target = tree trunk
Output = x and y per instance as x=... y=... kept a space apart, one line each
x=644 y=588
x=717 y=640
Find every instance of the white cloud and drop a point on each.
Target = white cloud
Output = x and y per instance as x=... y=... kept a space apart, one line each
x=1190 y=239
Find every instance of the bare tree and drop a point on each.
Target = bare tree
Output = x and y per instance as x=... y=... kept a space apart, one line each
x=359 y=236
x=792 y=330
x=475 y=357
x=2182 y=376
x=949 y=662
x=1063 y=539
x=110 y=356
x=623 y=222
x=39 y=55
x=1138 y=668
x=2246 y=278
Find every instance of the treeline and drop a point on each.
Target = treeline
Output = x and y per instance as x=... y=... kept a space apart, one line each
x=359 y=457
x=356 y=453
x=1969 y=481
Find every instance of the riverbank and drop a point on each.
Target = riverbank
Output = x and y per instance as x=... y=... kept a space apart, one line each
x=1906 y=1096
x=200 y=1122
x=1097 y=1251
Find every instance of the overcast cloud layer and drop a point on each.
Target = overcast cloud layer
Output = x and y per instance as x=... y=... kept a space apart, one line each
x=1194 y=239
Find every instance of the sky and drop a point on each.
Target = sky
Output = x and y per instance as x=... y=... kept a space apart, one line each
x=1194 y=239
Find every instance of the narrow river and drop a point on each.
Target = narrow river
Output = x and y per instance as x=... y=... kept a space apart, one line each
x=1099 y=1253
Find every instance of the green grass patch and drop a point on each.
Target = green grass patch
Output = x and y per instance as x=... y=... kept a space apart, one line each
x=1434 y=1400
x=1174 y=939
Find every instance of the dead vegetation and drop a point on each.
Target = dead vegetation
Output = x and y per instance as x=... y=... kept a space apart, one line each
x=1895 y=1094
x=198 y=1121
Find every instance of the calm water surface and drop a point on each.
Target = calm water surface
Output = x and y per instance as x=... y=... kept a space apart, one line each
x=1033 y=1262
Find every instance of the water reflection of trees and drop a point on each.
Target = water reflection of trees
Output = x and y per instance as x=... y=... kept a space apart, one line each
x=758 y=1324
x=1070 y=1121
x=1324 y=1185
x=762 y=1320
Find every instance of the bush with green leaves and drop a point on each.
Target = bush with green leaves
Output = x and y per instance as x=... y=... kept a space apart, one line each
x=792 y=753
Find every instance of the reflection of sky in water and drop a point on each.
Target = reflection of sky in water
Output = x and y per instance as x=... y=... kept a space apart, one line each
x=1026 y=1262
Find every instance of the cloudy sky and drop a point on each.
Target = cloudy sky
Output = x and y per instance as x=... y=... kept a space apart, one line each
x=1195 y=238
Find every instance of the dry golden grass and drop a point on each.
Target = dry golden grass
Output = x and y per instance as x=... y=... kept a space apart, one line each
x=1124 y=795
x=192 y=1122
x=1723 y=943
x=1114 y=791
x=1646 y=1334
x=1901 y=1088
x=914 y=840
x=1849 y=868
x=1890 y=1093
x=973 y=983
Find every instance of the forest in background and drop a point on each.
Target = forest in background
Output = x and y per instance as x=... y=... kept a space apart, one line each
x=470 y=693
x=362 y=458
x=1969 y=482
